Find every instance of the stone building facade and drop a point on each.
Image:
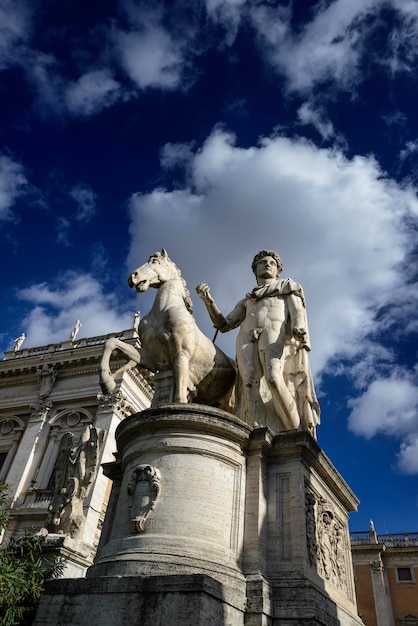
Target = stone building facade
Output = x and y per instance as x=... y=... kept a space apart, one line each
x=56 y=429
x=386 y=574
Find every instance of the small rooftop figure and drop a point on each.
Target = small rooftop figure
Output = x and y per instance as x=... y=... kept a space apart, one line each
x=137 y=319
x=75 y=330
x=19 y=341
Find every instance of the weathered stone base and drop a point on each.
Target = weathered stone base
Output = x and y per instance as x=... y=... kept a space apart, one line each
x=211 y=522
x=195 y=600
x=293 y=603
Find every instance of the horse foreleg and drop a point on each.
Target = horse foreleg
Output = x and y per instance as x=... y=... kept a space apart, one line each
x=181 y=377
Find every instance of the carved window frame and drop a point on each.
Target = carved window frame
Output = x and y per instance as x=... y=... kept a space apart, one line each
x=11 y=431
x=402 y=581
x=409 y=620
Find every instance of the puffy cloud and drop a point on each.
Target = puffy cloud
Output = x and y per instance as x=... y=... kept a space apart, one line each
x=329 y=47
x=151 y=57
x=335 y=221
x=403 y=41
x=176 y=154
x=389 y=405
x=407 y=459
x=309 y=115
x=92 y=92
x=339 y=225
x=333 y=45
x=12 y=183
x=56 y=307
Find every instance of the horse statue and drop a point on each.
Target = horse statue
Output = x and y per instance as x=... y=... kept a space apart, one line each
x=171 y=340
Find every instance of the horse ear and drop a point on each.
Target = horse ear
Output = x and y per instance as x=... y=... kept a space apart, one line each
x=164 y=253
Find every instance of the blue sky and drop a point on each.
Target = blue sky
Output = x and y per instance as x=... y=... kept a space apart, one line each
x=215 y=129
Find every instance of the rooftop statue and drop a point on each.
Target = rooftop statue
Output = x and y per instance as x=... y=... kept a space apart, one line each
x=75 y=330
x=18 y=342
x=171 y=340
x=275 y=386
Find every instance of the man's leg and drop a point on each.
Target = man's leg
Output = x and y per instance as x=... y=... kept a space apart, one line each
x=247 y=361
x=270 y=351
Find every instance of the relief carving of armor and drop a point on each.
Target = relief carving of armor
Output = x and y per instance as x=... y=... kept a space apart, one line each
x=75 y=471
x=325 y=540
x=144 y=488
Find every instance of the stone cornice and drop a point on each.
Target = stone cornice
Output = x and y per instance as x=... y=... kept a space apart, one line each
x=300 y=444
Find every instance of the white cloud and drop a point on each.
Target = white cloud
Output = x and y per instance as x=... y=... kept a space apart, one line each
x=332 y=46
x=338 y=224
x=176 y=154
x=55 y=308
x=411 y=148
x=329 y=47
x=85 y=199
x=12 y=183
x=92 y=92
x=151 y=57
x=46 y=81
x=389 y=406
x=407 y=459
x=403 y=39
x=309 y=115
x=228 y=13
x=335 y=221
x=14 y=31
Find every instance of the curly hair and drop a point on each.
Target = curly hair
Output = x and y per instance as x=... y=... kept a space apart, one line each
x=264 y=253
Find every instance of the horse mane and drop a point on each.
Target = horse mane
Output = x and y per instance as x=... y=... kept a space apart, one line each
x=187 y=299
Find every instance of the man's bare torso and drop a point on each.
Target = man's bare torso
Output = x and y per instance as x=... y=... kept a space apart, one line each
x=270 y=312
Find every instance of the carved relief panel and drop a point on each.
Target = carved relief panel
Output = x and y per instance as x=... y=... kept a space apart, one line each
x=326 y=538
x=144 y=488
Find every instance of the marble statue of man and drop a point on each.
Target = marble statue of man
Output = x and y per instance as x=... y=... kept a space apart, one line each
x=75 y=330
x=18 y=342
x=272 y=347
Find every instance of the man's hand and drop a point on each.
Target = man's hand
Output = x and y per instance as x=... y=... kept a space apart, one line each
x=203 y=292
x=300 y=334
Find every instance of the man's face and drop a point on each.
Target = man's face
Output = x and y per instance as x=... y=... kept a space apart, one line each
x=267 y=268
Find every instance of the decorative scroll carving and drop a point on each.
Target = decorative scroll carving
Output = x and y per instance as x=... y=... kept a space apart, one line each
x=144 y=489
x=75 y=471
x=325 y=540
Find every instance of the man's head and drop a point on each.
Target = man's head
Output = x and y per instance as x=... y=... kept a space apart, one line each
x=262 y=255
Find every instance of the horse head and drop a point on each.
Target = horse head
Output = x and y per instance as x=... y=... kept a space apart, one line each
x=157 y=270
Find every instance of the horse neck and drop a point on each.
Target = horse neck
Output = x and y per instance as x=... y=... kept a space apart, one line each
x=170 y=293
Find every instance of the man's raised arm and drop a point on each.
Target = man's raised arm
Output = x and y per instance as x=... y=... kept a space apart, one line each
x=219 y=321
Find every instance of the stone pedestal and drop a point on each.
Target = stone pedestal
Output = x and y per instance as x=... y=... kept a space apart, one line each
x=297 y=558
x=213 y=522
x=176 y=514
